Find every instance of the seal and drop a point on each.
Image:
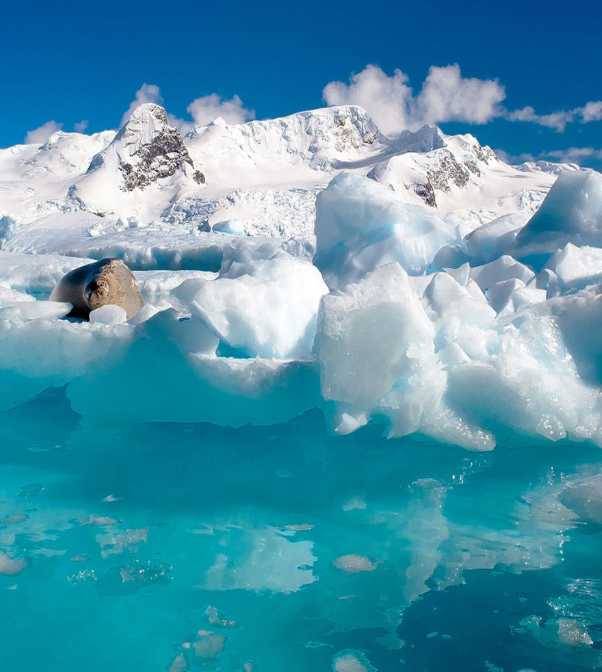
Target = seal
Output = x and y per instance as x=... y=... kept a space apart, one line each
x=108 y=281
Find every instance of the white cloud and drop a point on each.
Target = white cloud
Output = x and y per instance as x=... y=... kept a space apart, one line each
x=555 y=120
x=513 y=159
x=592 y=111
x=207 y=108
x=575 y=154
x=203 y=110
x=39 y=135
x=81 y=126
x=578 y=155
x=445 y=96
x=388 y=100
x=147 y=93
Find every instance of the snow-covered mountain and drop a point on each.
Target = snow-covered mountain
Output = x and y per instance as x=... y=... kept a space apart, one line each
x=312 y=261
x=84 y=195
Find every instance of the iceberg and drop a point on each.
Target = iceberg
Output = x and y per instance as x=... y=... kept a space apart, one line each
x=570 y=213
x=362 y=403
x=361 y=225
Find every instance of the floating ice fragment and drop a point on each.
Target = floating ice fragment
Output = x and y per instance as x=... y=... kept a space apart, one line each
x=83 y=576
x=98 y=521
x=110 y=315
x=490 y=667
x=11 y=567
x=9 y=296
x=250 y=666
x=139 y=574
x=110 y=498
x=351 y=661
x=585 y=498
x=491 y=240
x=120 y=542
x=361 y=225
x=504 y=268
x=353 y=563
x=303 y=527
x=560 y=632
x=570 y=213
x=358 y=502
x=264 y=307
x=218 y=620
x=209 y=645
x=365 y=334
x=260 y=560
x=13 y=519
x=179 y=664
x=575 y=267
x=391 y=642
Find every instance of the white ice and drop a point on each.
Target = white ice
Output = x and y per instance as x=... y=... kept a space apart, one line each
x=415 y=312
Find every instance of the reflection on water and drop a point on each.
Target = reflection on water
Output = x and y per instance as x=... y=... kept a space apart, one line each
x=193 y=546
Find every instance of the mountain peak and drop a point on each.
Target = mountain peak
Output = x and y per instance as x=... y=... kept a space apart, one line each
x=146 y=149
x=425 y=139
x=145 y=122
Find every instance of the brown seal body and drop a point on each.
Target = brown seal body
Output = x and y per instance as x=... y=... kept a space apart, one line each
x=108 y=281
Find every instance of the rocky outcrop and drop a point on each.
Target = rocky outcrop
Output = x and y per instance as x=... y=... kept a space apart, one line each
x=426 y=193
x=155 y=157
x=449 y=170
x=146 y=149
x=351 y=132
x=483 y=154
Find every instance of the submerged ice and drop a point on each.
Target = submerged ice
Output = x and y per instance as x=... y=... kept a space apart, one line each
x=265 y=468
x=288 y=548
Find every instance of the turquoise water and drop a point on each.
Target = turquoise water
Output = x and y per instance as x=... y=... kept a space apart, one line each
x=171 y=546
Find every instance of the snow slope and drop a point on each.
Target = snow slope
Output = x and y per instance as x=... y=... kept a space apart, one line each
x=262 y=176
x=305 y=262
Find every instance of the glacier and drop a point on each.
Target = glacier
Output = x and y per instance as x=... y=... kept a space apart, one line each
x=362 y=403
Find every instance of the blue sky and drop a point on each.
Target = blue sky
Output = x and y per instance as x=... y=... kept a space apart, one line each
x=72 y=61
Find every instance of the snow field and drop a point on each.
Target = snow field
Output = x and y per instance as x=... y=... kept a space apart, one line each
x=428 y=352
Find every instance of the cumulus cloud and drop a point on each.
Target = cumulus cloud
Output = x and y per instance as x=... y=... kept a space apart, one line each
x=513 y=159
x=203 y=110
x=591 y=111
x=578 y=155
x=555 y=120
x=206 y=109
x=39 y=135
x=81 y=126
x=575 y=154
x=147 y=93
x=388 y=100
x=445 y=96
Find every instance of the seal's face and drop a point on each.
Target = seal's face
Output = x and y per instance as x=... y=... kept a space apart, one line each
x=97 y=292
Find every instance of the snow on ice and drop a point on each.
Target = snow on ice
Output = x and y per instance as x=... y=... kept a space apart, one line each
x=413 y=281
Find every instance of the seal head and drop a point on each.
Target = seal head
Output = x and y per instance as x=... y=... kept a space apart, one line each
x=97 y=293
